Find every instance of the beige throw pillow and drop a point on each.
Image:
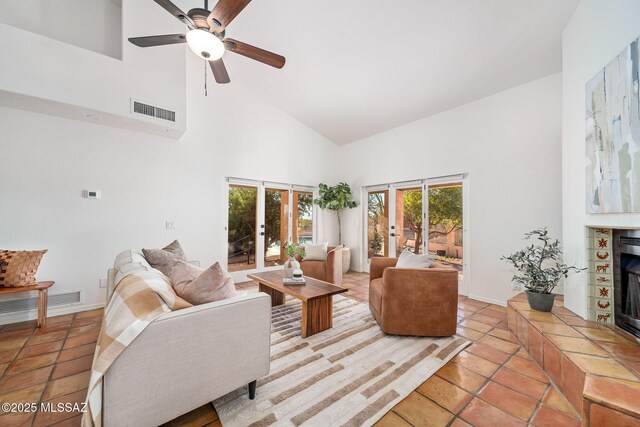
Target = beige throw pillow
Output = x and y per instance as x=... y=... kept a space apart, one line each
x=315 y=252
x=18 y=268
x=408 y=259
x=163 y=259
x=199 y=286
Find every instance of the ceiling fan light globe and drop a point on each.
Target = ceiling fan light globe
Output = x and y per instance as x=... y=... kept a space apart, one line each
x=205 y=45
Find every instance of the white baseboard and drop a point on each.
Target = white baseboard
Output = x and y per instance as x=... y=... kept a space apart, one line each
x=23 y=316
x=488 y=300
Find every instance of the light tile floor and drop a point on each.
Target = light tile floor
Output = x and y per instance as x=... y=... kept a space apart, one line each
x=492 y=383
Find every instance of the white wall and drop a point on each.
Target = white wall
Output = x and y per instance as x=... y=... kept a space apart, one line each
x=597 y=32
x=94 y=25
x=508 y=144
x=145 y=180
x=47 y=75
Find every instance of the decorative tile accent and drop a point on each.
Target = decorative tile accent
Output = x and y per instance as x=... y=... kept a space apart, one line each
x=600 y=279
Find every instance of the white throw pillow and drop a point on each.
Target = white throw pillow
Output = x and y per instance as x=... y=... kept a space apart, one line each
x=315 y=252
x=408 y=259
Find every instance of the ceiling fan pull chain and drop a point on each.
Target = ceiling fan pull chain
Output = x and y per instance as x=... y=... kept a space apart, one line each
x=205 y=78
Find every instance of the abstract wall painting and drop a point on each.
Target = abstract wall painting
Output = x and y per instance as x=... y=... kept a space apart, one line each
x=613 y=135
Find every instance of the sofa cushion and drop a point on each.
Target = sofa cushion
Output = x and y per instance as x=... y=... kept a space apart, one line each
x=315 y=252
x=163 y=259
x=199 y=286
x=18 y=268
x=407 y=259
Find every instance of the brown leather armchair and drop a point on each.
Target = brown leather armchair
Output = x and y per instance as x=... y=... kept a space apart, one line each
x=329 y=270
x=413 y=301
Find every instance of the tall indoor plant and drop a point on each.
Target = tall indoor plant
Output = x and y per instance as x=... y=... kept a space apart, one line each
x=540 y=269
x=337 y=198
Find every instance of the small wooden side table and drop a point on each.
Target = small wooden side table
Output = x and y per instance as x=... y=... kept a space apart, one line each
x=43 y=298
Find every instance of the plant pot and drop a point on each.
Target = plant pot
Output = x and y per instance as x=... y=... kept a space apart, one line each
x=290 y=265
x=540 y=302
x=346 y=259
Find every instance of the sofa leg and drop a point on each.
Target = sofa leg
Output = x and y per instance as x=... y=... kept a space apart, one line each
x=252 y=389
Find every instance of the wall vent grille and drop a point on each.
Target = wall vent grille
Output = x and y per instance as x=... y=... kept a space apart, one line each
x=151 y=111
x=31 y=303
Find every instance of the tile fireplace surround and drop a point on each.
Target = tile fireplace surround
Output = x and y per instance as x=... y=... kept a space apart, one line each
x=596 y=368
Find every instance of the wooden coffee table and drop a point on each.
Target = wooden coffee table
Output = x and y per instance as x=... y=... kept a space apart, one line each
x=316 y=297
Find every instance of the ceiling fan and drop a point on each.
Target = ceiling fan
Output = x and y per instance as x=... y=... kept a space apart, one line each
x=206 y=36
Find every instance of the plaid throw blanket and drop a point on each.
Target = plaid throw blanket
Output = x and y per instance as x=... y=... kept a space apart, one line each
x=137 y=301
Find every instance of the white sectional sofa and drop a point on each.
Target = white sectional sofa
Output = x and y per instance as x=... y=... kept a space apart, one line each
x=187 y=357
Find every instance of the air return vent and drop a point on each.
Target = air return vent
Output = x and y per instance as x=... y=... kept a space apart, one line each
x=31 y=303
x=151 y=111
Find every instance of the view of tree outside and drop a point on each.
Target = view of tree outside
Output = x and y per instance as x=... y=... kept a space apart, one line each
x=378 y=224
x=276 y=221
x=243 y=204
x=303 y=218
x=445 y=220
x=409 y=220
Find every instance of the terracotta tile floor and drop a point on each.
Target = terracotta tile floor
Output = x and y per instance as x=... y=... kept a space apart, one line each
x=493 y=382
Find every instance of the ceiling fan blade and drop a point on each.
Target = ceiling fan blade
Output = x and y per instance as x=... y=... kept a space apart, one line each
x=225 y=11
x=256 y=53
x=150 y=41
x=219 y=71
x=177 y=12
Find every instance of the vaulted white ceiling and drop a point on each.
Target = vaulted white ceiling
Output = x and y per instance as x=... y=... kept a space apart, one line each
x=360 y=67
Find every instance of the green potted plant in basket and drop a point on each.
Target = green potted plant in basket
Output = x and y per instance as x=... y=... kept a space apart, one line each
x=540 y=269
x=337 y=198
x=292 y=263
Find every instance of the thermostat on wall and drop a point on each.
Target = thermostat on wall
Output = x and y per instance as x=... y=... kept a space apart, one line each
x=91 y=194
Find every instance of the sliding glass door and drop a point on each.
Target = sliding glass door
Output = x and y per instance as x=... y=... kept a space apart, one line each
x=419 y=216
x=409 y=220
x=262 y=219
x=378 y=223
x=445 y=221
x=302 y=206
x=242 y=227
x=276 y=226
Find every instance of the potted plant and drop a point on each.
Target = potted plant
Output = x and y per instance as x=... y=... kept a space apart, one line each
x=337 y=198
x=540 y=269
x=292 y=263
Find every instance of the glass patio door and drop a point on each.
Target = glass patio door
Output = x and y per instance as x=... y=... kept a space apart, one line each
x=445 y=223
x=302 y=215
x=242 y=227
x=377 y=224
x=394 y=219
x=409 y=219
x=261 y=219
x=276 y=226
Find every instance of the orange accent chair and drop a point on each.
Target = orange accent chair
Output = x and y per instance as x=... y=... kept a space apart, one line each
x=413 y=301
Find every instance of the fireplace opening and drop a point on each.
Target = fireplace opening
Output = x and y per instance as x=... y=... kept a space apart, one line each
x=626 y=256
x=630 y=285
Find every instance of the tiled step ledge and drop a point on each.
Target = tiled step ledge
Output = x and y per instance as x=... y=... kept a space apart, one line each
x=596 y=368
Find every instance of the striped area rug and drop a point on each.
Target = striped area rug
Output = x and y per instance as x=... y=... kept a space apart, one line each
x=350 y=375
